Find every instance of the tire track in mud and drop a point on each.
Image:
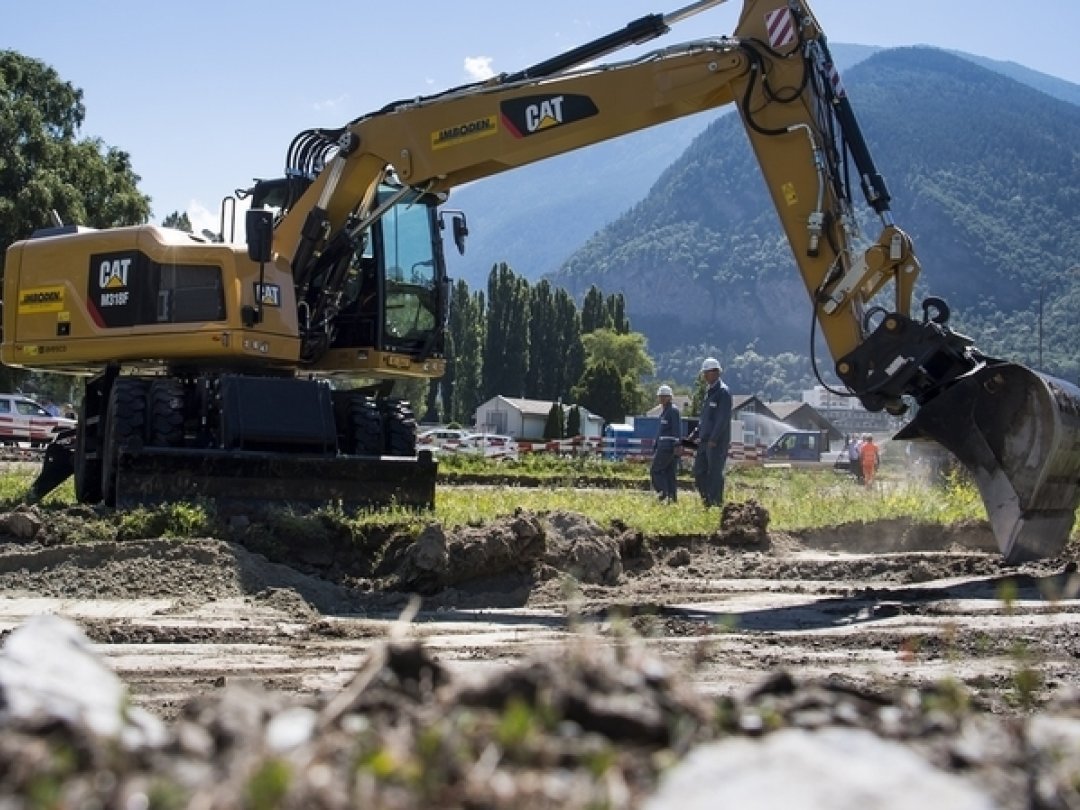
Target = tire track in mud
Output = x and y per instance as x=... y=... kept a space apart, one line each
x=866 y=604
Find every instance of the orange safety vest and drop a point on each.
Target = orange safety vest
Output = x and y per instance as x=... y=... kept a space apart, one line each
x=869 y=457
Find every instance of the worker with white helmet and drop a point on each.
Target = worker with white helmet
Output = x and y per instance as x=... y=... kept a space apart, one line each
x=665 y=464
x=713 y=434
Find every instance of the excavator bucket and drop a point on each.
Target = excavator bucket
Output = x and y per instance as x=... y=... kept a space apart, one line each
x=1018 y=434
x=250 y=479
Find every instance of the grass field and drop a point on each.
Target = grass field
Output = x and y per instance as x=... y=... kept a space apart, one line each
x=474 y=490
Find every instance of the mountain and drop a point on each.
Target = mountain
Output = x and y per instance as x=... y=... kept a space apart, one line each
x=984 y=172
x=1051 y=85
x=535 y=217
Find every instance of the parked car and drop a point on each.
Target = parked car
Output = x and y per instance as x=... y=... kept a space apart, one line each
x=23 y=420
x=493 y=445
x=442 y=438
x=798 y=445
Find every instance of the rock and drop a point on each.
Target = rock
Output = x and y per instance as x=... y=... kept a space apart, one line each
x=50 y=672
x=830 y=769
x=22 y=524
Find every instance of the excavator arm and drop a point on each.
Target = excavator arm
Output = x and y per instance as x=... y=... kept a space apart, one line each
x=776 y=69
x=1015 y=430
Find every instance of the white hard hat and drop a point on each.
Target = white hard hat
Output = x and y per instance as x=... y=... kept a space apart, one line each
x=663 y=391
x=710 y=364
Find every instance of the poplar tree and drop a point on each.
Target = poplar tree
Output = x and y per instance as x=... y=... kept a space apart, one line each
x=460 y=388
x=506 y=345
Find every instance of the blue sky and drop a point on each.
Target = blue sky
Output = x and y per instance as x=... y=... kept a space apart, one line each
x=206 y=96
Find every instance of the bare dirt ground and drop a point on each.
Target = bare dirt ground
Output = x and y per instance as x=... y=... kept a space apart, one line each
x=827 y=626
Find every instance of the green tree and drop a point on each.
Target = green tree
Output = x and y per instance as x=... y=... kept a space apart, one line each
x=601 y=391
x=594 y=313
x=460 y=388
x=506 y=345
x=567 y=353
x=178 y=220
x=554 y=426
x=45 y=168
x=541 y=378
x=573 y=422
x=615 y=307
x=626 y=353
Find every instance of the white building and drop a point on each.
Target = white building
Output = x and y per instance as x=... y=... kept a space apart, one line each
x=525 y=418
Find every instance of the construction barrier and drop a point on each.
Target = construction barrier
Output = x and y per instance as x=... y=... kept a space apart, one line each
x=611 y=448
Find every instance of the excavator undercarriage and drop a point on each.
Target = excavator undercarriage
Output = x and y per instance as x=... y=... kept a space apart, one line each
x=241 y=441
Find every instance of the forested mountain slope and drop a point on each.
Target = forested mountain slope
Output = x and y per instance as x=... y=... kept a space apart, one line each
x=984 y=173
x=535 y=217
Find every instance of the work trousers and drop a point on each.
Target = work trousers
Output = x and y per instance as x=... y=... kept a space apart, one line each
x=664 y=470
x=709 y=473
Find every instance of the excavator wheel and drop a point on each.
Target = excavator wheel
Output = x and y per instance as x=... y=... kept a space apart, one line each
x=400 y=428
x=125 y=422
x=363 y=428
x=165 y=406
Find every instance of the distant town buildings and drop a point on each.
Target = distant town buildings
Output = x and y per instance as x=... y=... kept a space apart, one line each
x=847 y=414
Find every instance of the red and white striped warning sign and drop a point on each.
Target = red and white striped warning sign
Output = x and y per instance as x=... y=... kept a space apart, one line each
x=780 y=24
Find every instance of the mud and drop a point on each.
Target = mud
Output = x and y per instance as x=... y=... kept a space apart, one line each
x=868 y=609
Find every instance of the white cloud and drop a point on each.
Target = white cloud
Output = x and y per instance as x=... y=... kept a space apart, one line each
x=331 y=103
x=479 y=68
x=202 y=218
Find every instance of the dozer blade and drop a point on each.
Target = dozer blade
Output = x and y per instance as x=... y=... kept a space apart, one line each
x=1018 y=434
x=254 y=480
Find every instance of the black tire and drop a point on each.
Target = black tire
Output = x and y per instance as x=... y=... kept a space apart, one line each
x=364 y=427
x=165 y=409
x=400 y=428
x=125 y=425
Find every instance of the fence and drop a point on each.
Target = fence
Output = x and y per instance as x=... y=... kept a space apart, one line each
x=621 y=448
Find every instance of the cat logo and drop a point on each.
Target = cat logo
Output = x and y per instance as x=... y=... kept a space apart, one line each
x=530 y=115
x=271 y=295
x=113 y=273
x=546 y=114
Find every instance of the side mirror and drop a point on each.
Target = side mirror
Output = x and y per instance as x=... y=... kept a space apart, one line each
x=461 y=230
x=260 y=234
x=458 y=227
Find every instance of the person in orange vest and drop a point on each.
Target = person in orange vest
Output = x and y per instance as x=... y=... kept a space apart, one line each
x=869 y=457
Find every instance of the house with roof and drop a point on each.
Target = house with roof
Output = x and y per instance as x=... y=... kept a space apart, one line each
x=525 y=418
x=747 y=410
x=741 y=404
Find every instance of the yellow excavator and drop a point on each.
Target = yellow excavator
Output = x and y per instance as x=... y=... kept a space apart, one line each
x=210 y=364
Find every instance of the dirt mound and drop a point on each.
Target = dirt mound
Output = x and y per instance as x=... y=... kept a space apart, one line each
x=505 y=562
x=187 y=571
x=744 y=524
